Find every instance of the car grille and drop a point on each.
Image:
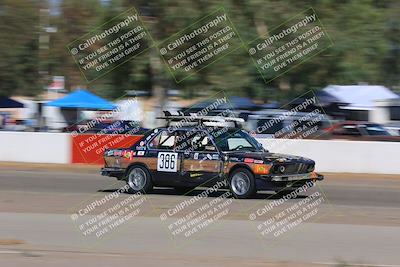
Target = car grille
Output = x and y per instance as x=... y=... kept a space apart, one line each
x=292 y=168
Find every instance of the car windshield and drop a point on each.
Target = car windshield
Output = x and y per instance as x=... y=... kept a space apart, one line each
x=234 y=140
x=374 y=129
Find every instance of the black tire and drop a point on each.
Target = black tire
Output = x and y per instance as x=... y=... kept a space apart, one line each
x=142 y=184
x=183 y=189
x=242 y=183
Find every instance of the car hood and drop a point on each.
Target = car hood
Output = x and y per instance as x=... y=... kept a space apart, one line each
x=268 y=157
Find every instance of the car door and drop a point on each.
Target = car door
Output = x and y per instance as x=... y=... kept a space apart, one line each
x=202 y=161
x=167 y=159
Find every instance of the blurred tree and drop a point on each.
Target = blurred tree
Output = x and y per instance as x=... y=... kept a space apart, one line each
x=365 y=35
x=76 y=18
x=391 y=63
x=19 y=47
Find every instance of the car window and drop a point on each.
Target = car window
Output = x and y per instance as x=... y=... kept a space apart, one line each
x=154 y=143
x=164 y=140
x=194 y=141
x=237 y=140
x=182 y=140
x=202 y=142
x=234 y=143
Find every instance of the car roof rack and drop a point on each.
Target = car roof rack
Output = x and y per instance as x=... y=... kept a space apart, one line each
x=200 y=120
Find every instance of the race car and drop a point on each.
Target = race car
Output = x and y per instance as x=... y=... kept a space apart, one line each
x=202 y=152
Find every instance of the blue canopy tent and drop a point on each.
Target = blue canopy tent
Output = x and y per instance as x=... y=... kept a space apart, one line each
x=6 y=102
x=78 y=100
x=82 y=99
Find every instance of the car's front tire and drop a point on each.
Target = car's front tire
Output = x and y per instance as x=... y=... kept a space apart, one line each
x=242 y=183
x=138 y=179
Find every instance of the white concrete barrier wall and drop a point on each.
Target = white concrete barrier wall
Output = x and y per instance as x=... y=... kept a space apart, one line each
x=329 y=155
x=35 y=147
x=342 y=156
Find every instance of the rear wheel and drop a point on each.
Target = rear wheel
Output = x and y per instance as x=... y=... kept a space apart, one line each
x=242 y=183
x=138 y=179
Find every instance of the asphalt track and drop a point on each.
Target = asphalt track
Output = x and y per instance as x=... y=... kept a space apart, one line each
x=358 y=223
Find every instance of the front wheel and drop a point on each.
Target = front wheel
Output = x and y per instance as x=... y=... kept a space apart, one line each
x=138 y=179
x=242 y=183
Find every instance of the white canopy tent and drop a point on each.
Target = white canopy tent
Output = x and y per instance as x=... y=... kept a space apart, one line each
x=360 y=97
x=364 y=101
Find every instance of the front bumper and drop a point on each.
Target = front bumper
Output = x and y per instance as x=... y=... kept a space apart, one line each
x=293 y=177
x=280 y=182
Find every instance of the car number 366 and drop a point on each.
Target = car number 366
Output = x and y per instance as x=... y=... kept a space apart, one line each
x=167 y=162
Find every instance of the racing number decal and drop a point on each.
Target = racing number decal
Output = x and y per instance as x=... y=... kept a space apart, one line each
x=167 y=162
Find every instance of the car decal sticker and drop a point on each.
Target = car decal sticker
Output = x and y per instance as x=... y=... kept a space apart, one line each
x=128 y=154
x=248 y=160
